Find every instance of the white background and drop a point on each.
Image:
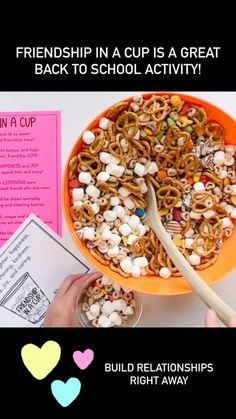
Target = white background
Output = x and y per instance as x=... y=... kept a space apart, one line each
x=78 y=110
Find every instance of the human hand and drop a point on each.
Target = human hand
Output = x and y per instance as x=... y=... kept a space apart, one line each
x=62 y=312
x=212 y=320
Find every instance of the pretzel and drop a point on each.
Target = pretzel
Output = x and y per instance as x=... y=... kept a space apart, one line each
x=172 y=140
x=168 y=196
x=92 y=163
x=116 y=150
x=118 y=270
x=207 y=262
x=154 y=264
x=117 y=109
x=97 y=145
x=106 y=188
x=127 y=123
x=98 y=256
x=141 y=246
x=202 y=201
x=157 y=107
x=204 y=248
x=175 y=183
x=83 y=214
x=216 y=133
x=188 y=164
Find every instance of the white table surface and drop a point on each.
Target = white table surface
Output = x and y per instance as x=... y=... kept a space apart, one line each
x=78 y=109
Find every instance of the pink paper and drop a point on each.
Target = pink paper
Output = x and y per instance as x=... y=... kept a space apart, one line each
x=30 y=170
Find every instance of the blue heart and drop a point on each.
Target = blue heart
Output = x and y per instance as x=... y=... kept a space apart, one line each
x=66 y=393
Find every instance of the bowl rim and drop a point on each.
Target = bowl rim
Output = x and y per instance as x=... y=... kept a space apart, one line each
x=139 y=284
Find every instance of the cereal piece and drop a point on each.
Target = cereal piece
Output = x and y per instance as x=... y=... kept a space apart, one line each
x=140 y=212
x=125 y=229
x=85 y=177
x=165 y=272
x=103 y=176
x=104 y=123
x=88 y=137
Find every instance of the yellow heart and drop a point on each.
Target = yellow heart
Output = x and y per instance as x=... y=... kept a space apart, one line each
x=41 y=361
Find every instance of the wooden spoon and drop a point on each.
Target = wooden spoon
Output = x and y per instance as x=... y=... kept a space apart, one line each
x=207 y=295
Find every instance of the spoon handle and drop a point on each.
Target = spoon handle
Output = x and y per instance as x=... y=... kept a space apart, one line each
x=207 y=295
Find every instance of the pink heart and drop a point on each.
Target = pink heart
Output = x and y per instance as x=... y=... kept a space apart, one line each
x=83 y=359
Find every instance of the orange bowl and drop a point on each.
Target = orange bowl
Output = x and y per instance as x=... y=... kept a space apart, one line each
x=154 y=284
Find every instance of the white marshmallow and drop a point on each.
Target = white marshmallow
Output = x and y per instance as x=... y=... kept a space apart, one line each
x=194 y=259
x=95 y=309
x=77 y=194
x=114 y=200
x=165 y=272
x=113 y=252
x=88 y=233
x=119 y=304
x=233 y=213
x=134 y=107
x=105 y=157
x=188 y=243
x=88 y=137
x=229 y=208
x=199 y=186
x=229 y=149
x=107 y=308
x=115 y=160
x=131 y=239
x=90 y=316
x=119 y=211
x=208 y=214
x=226 y=222
x=125 y=229
x=110 y=215
x=104 y=321
x=85 y=177
x=115 y=318
x=134 y=221
x=126 y=265
x=129 y=203
x=115 y=169
x=125 y=219
x=152 y=168
x=233 y=189
x=179 y=203
x=103 y=176
x=136 y=271
x=143 y=187
x=92 y=191
x=115 y=239
x=106 y=281
x=223 y=174
x=77 y=203
x=189 y=233
x=141 y=261
x=127 y=290
x=137 y=135
x=128 y=311
x=140 y=169
x=103 y=123
x=124 y=191
x=95 y=208
x=195 y=215
x=106 y=234
x=141 y=229
x=219 y=157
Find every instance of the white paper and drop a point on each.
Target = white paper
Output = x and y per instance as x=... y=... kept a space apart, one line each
x=33 y=264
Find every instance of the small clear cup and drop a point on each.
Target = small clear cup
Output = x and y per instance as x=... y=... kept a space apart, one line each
x=132 y=320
